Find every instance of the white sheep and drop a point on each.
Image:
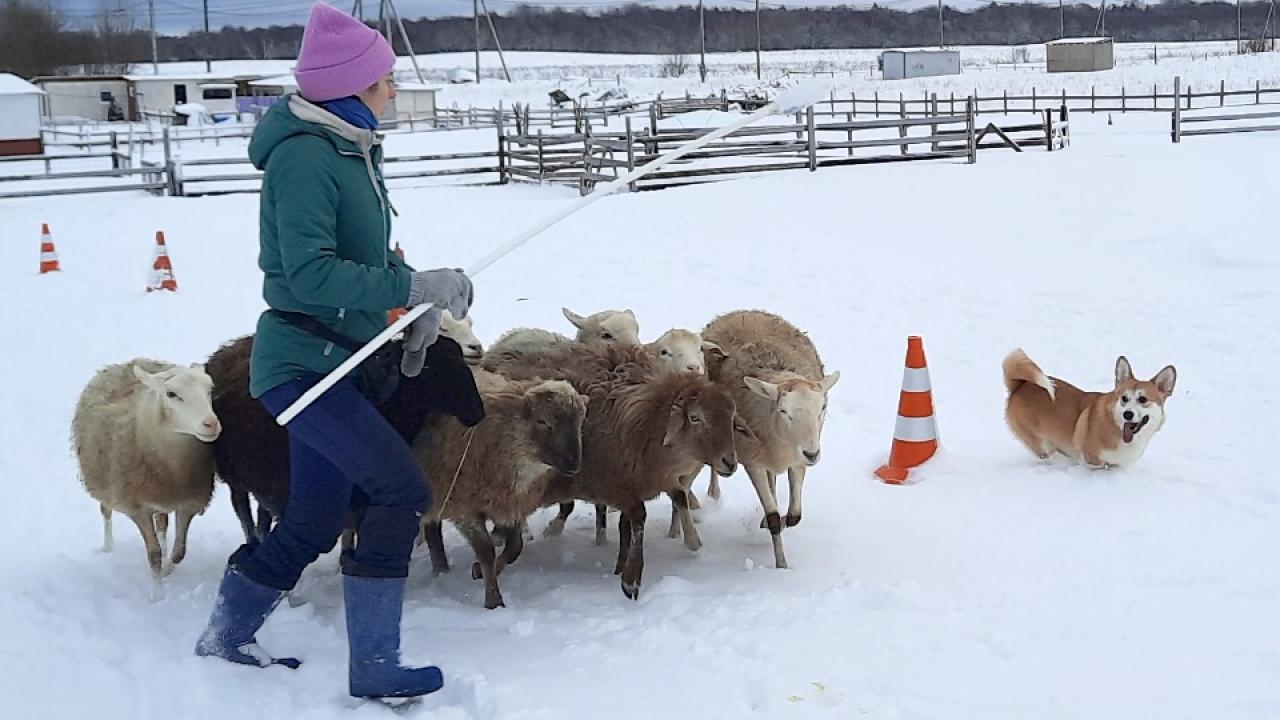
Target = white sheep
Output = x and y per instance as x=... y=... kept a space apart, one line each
x=461 y=332
x=607 y=327
x=142 y=433
x=780 y=390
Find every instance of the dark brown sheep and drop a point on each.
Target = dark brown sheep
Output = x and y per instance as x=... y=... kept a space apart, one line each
x=252 y=454
x=644 y=433
x=498 y=470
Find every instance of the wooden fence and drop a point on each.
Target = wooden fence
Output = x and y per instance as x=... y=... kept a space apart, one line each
x=586 y=159
x=1222 y=122
x=876 y=104
x=148 y=176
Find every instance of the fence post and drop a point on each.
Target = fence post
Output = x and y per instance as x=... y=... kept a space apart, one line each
x=971 y=130
x=811 y=128
x=631 y=153
x=1048 y=130
x=1033 y=99
x=853 y=100
x=1066 y=125
x=1257 y=92
x=1006 y=101
x=849 y=131
x=1123 y=103
x=1093 y=99
x=933 y=129
x=877 y=103
x=1177 y=108
x=902 y=128
x=502 y=153
x=115 y=152
x=1222 y=92
x=1155 y=93
x=169 y=172
x=542 y=171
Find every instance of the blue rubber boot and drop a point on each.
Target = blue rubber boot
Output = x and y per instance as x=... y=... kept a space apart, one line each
x=241 y=608
x=374 y=606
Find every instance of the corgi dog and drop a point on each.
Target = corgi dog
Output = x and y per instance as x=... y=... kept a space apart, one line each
x=1103 y=429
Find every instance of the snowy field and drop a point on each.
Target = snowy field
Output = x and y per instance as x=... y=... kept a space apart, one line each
x=992 y=587
x=989 y=69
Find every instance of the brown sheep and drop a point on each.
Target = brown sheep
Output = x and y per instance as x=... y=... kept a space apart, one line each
x=142 y=432
x=499 y=469
x=780 y=388
x=644 y=433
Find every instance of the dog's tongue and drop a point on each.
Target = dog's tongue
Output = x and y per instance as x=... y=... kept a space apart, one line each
x=1130 y=429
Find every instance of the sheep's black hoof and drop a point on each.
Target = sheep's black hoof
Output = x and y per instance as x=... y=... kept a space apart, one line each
x=631 y=590
x=493 y=602
x=477 y=573
x=793 y=520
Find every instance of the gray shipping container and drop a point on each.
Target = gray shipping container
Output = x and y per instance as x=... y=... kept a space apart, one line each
x=900 y=64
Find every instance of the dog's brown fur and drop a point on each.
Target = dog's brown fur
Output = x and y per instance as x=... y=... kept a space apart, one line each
x=1050 y=415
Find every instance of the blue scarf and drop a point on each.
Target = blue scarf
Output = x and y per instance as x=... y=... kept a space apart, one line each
x=353 y=110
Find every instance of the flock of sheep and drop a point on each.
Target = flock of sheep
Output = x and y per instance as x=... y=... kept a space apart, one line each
x=539 y=419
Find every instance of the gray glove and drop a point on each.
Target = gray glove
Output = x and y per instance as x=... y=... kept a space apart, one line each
x=445 y=288
x=422 y=334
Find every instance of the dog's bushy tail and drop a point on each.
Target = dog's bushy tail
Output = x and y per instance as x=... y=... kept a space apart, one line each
x=1019 y=369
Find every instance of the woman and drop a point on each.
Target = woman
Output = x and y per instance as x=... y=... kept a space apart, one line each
x=329 y=280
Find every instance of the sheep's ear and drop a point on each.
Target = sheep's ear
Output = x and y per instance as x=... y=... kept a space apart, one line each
x=710 y=349
x=1123 y=370
x=573 y=317
x=1165 y=379
x=766 y=390
x=629 y=314
x=830 y=381
x=146 y=378
x=675 y=423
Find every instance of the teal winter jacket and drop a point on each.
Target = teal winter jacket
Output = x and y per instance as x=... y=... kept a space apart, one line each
x=325 y=226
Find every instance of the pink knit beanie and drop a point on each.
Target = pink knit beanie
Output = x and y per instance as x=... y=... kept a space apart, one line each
x=340 y=55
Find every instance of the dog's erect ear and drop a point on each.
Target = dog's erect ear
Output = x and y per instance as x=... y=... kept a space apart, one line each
x=1123 y=371
x=1165 y=379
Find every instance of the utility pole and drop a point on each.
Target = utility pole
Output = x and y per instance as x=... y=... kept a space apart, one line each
x=208 y=63
x=404 y=37
x=496 y=43
x=475 y=17
x=1062 y=20
x=702 y=33
x=757 y=39
x=1239 y=31
x=942 y=38
x=155 y=55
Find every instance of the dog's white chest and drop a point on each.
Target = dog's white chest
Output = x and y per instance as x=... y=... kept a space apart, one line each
x=1127 y=453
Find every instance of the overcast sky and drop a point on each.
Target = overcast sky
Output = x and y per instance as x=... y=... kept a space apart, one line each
x=180 y=16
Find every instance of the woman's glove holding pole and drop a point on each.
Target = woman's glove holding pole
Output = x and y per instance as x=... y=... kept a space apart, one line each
x=442 y=288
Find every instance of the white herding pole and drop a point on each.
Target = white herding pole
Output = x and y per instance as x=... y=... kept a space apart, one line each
x=788 y=102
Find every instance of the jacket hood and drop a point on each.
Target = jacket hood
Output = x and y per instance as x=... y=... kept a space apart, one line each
x=295 y=116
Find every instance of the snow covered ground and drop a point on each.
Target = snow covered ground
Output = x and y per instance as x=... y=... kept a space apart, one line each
x=993 y=586
x=989 y=69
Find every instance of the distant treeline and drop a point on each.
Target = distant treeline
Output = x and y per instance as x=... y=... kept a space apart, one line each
x=34 y=40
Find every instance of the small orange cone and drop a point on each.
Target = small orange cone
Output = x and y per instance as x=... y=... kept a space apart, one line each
x=915 y=436
x=48 y=256
x=394 y=314
x=161 y=270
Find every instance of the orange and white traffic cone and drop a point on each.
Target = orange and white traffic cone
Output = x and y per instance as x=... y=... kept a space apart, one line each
x=161 y=270
x=394 y=314
x=915 y=436
x=48 y=256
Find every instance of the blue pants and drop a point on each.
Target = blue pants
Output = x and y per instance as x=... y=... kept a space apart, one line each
x=338 y=443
